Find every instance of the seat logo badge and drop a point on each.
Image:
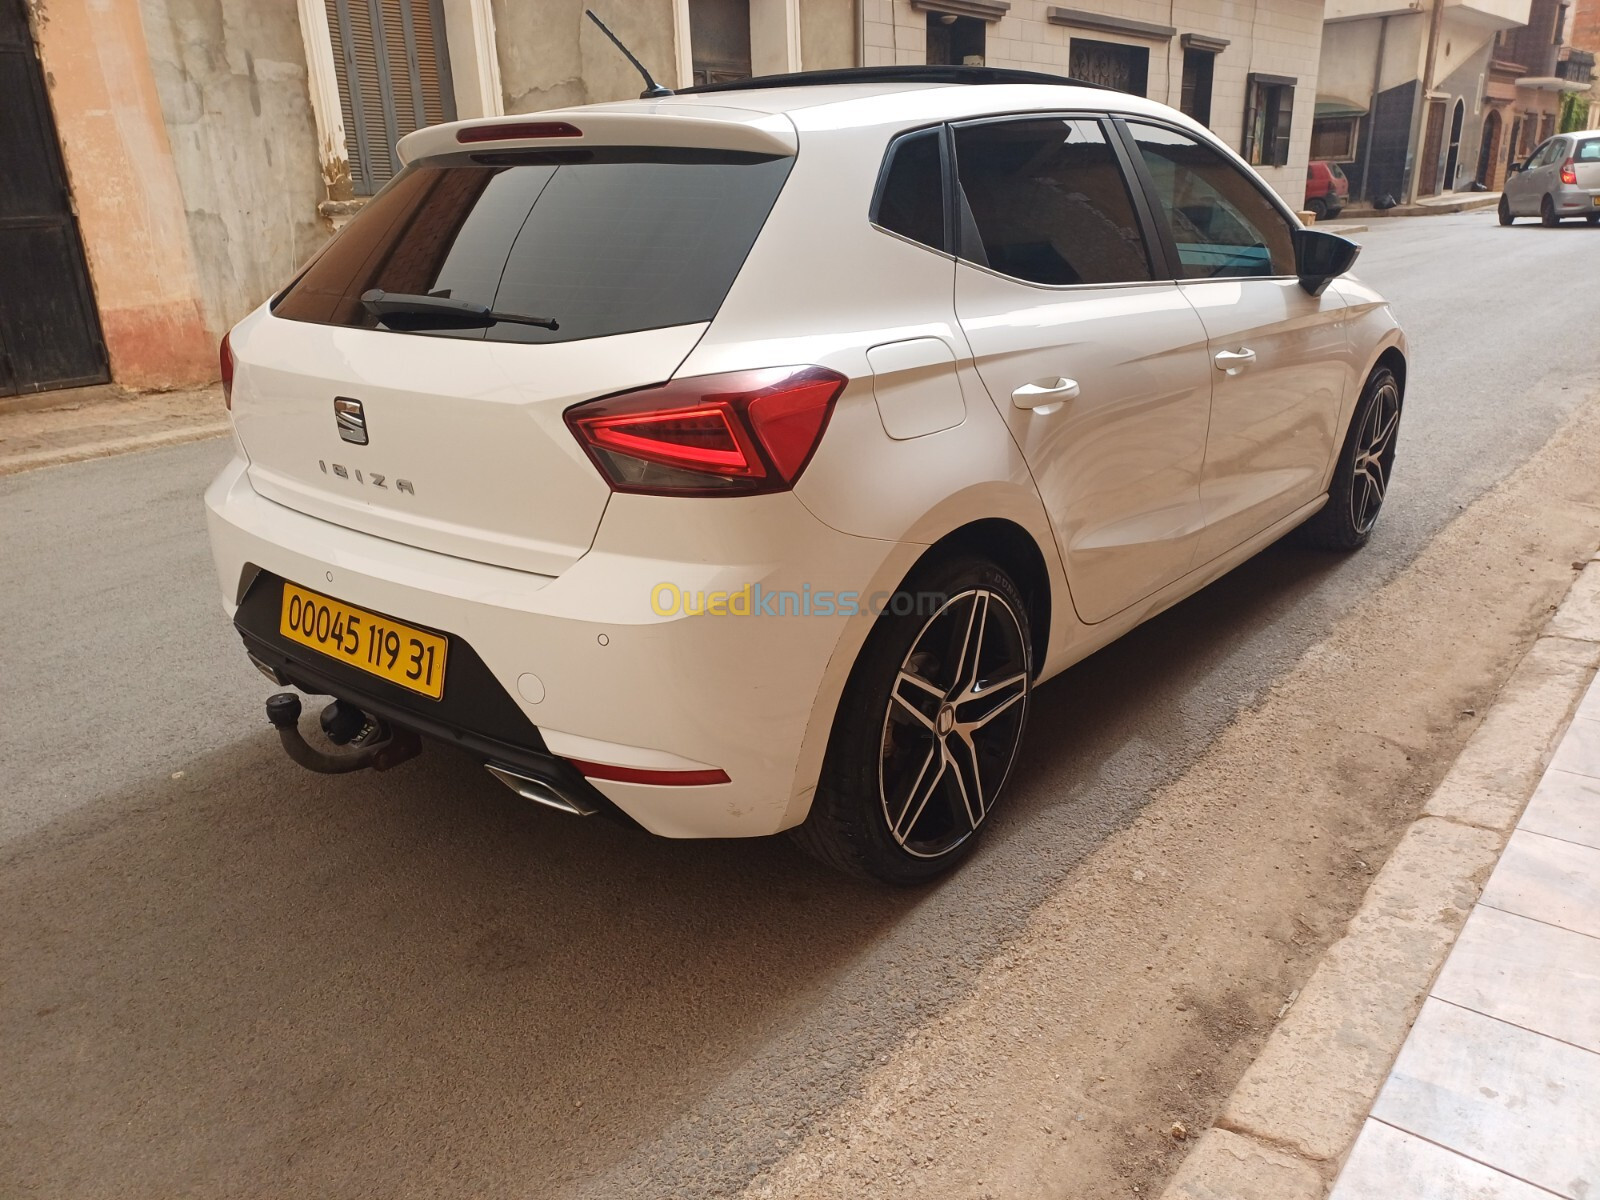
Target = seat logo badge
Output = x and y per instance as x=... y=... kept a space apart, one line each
x=351 y=419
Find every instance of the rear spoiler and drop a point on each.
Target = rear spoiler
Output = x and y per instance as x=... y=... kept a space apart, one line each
x=688 y=125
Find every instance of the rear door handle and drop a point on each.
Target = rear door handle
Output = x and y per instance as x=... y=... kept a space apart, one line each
x=1234 y=361
x=1046 y=397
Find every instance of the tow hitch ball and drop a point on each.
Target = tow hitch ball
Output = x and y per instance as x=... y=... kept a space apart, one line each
x=377 y=745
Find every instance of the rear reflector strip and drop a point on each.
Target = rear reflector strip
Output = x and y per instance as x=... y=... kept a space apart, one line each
x=517 y=131
x=657 y=778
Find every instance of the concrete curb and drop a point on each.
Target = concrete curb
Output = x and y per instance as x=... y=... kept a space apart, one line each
x=1444 y=209
x=1294 y=1115
x=56 y=457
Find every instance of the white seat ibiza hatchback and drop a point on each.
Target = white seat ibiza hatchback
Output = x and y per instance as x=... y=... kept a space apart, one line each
x=740 y=460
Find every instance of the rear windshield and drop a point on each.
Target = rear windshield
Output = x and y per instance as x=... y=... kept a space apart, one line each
x=1588 y=151
x=601 y=241
x=1333 y=169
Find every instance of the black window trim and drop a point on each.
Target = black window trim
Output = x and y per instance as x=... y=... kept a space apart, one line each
x=1138 y=197
x=1147 y=186
x=947 y=173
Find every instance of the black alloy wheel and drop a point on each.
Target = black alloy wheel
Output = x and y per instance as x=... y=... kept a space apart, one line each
x=928 y=728
x=1361 y=477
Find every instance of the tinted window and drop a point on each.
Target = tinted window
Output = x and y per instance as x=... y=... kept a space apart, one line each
x=1222 y=221
x=604 y=241
x=911 y=200
x=1049 y=203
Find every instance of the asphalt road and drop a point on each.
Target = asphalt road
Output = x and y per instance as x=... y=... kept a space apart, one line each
x=220 y=974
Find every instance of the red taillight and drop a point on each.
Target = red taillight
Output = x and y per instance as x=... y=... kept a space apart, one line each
x=226 y=356
x=517 y=131
x=1568 y=173
x=750 y=431
x=659 y=778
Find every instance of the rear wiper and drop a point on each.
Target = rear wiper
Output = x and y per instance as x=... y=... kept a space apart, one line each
x=454 y=312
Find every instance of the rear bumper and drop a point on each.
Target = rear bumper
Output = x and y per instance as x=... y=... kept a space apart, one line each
x=582 y=665
x=1570 y=200
x=477 y=716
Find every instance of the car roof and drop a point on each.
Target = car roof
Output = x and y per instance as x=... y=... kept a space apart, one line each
x=770 y=118
x=818 y=106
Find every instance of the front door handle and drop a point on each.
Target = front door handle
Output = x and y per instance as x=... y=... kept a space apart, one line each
x=1234 y=361
x=1045 y=397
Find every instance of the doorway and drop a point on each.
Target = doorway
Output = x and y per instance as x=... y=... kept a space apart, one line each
x=49 y=327
x=956 y=41
x=719 y=33
x=1453 y=160
x=1199 y=70
x=1432 y=145
x=1489 y=149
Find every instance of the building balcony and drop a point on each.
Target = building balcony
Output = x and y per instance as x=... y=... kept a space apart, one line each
x=1576 y=67
x=1486 y=14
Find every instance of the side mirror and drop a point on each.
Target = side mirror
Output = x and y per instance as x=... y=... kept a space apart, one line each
x=1322 y=257
x=1514 y=168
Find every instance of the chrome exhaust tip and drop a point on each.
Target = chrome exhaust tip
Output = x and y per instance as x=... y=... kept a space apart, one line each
x=269 y=671
x=540 y=792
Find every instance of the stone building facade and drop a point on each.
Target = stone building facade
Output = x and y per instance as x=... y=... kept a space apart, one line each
x=207 y=147
x=1407 y=96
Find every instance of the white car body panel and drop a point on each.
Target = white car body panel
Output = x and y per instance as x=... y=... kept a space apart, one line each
x=1118 y=465
x=473 y=427
x=1274 y=421
x=512 y=541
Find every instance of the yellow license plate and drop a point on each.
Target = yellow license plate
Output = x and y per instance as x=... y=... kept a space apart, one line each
x=412 y=658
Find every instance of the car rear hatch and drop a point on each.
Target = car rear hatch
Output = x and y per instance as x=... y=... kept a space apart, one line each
x=1586 y=163
x=443 y=429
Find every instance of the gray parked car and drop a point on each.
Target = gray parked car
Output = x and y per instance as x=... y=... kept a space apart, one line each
x=1560 y=179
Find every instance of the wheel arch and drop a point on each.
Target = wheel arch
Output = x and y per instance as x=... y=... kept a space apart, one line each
x=1013 y=549
x=1004 y=541
x=1394 y=358
x=1375 y=329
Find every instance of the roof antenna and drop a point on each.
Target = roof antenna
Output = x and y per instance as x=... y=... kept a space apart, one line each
x=652 y=89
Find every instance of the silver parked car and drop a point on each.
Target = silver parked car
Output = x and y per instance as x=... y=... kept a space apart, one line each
x=1560 y=179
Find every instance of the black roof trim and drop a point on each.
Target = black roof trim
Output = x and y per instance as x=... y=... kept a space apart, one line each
x=907 y=74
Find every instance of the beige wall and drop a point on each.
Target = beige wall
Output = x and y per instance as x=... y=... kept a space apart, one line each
x=1273 y=37
x=1350 y=50
x=231 y=75
x=827 y=34
x=551 y=55
x=126 y=191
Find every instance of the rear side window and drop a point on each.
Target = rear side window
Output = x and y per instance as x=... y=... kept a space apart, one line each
x=1222 y=222
x=603 y=241
x=911 y=197
x=1049 y=202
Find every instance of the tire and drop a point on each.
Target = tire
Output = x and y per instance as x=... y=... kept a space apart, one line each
x=1319 y=207
x=1505 y=211
x=1547 y=213
x=878 y=813
x=1593 y=218
x=1361 y=476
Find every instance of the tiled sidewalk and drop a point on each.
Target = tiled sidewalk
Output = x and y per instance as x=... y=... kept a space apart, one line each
x=1496 y=1092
